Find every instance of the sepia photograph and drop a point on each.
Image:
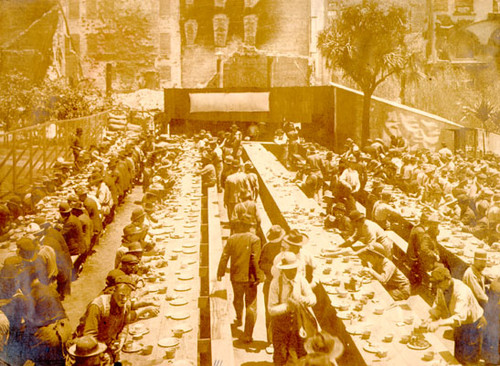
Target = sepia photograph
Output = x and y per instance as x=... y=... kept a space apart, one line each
x=249 y=182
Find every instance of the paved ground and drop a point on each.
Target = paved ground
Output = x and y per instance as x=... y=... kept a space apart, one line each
x=92 y=278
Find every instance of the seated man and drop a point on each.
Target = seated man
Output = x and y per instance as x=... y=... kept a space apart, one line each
x=382 y=210
x=47 y=326
x=107 y=315
x=337 y=219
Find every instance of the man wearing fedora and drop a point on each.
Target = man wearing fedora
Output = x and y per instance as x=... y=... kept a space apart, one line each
x=430 y=255
x=76 y=146
x=138 y=219
x=269 y=251
x=243 y=250
x=474 y=278
x=289 y=290
x=294 y=242
x=337 y=219
x=92 y=206
x=28 y=250
x=413 y=252
x=216 y=160
x=107 y=315
x=383 y=212
x=49 y=237
x=71 y=230
x=253 y=180
x=249 y=207
x=80 y=212
x=208 y=173
x=47 y=326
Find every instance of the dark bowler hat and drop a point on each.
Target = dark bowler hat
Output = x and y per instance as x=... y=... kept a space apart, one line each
x=130 y=259
x=11 y=267
x=296 y=238
x=439 y=274
x=137 y=214
x=246 y=219
x=275 y=234
x=64 y=207
x=135 y=247
x=357 y=216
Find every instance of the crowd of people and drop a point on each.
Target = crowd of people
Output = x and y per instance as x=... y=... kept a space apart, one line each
x=51 y=253
x=274 y=259
x=449 y=186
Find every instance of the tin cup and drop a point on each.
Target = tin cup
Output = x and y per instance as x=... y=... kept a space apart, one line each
x=177 y=333
x=170 y=353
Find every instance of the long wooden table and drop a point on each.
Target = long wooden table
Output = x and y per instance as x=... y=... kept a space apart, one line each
x=293 y=209
x=179 y=236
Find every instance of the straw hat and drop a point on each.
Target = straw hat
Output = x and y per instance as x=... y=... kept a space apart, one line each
x=433 y=218
x=34 y=229
x=328 y=194
x=480 y=254
x=288 y=261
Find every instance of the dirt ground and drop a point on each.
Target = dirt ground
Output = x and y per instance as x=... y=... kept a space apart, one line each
x=93 y=276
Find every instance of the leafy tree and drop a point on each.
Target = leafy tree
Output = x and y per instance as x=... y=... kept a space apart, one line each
x=367 y=42
x=23 y=104
x=482 y=111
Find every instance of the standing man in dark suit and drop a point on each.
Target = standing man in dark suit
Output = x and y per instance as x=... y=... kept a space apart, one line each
x=236 y=184
x=243 y=249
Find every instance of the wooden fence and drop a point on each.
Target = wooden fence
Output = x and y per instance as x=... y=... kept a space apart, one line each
x=27 y=154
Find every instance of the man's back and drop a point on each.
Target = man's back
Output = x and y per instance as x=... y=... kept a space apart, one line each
x=241 y=249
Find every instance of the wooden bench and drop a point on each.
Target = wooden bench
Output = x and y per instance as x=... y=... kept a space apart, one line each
x=220 y=320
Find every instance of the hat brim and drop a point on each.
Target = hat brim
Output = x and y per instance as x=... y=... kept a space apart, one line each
x=278 y=239
x=101 y=347
x=304 y=241
x=287 y=266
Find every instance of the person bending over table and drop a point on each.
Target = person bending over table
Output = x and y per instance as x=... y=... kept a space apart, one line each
x=455 y=306
x=385 y=271
x=369 y=233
